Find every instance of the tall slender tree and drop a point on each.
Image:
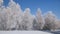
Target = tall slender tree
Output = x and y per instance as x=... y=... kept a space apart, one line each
x=40 y=19
x=27 y=20
x=3 y=17
x=14 y=13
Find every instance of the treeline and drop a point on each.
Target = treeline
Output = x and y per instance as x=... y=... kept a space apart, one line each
x=13 y=17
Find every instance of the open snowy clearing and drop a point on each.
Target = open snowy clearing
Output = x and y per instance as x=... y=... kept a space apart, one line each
x=23 y=32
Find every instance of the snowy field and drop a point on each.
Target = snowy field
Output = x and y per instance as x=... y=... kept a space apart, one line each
x=29 y=32
x=23 y=32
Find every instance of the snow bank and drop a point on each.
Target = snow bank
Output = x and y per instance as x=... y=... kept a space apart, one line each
x=23 y=32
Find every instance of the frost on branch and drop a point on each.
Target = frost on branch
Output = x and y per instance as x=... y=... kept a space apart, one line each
x=40 y=20
x=50 y=19
x=57 y=23
x=1 y=1
x=27 y=20
x=14 y=15
x=3 y=17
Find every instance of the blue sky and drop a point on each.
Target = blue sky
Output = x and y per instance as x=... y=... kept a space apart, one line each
x=45 y=5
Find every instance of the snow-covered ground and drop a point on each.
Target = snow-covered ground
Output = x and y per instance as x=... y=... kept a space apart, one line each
x=23 y=32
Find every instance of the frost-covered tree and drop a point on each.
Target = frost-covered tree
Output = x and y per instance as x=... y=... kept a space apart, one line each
x=34 y=23
x=11 y=23
x=3 y=20
x=19 y=16
x=50 y=20
x=39 y=19
x=3 y=17
x=27 y=22
x=1 y=2
x=1 y=6
x=14 y=15
x=57 y=23
x=11 y=20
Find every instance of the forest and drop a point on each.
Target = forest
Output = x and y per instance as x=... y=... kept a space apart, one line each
x=13 y=17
